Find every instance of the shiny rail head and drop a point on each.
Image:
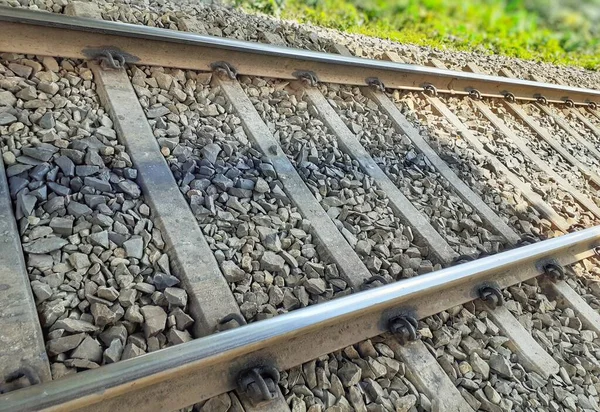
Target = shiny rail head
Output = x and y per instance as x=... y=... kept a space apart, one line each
x=464 y=82
x=244 y=341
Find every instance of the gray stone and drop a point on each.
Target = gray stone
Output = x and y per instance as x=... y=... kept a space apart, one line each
x=79 y=260
x=62 y=225
x=501 y=366
x=103 y=315
x=176 y=337
x=315 y=286
x=155 y=112
x=9 y=158
x=131 y=351
x=127 y=297
x=155 y=320
x=232 y=272
x=182 y=319
x=479 y=365
x=64 y=344
x=108 y=293
x=42 y=291
x=98 y=184
x=134 y=247
x=176 y=297
x=74 y=326
x=7 y=99
x=83 y=9
x=89 y=349
x=47 y=121
x=45 y=245
x=117 y=331
x=6 y=119
x=211 y=152
x=99 y=239
x=130 y=188
x=43 y=153
x=272 y=262
x=78 y=209
x=349 y=374
x=113 y=353
x=162 y=281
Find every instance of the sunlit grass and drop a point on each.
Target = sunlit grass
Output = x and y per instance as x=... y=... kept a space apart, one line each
x=542 y=30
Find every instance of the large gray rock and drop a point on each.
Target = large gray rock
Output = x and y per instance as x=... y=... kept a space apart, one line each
x=272 y=262
x=155 y=320
x=64 y=344
x=89 y=349
x=74 y=325
x=45 y=245
x=232 y=272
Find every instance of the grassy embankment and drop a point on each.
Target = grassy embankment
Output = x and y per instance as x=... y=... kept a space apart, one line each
x=563 y=32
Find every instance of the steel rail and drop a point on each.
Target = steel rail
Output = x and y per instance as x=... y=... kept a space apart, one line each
x=34 y=32
x=209 y=366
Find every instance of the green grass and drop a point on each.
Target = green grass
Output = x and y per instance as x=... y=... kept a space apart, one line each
x=565 y=32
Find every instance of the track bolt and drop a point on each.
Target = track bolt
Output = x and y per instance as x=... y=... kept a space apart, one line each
x=368 y=283
x=554 y=270
x=475 y=94
x=430 y=90
x=110 y=59
x=307 y=77
x=592 y=105
x=510 y=97
x=10 y=381
x=526 y=240
x=575 y=227
x=542 y=100
x=375 y=83
x=569 y=103
x=224 y=69
x=259 y=383
x=462 y=259
x=597 y=251
x=405 y=327
x=236 y=317
x=492 y=296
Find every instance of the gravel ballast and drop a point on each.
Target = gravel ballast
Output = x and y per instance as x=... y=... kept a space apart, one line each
x=561 y=333
x=347 y=194
x=262 y=243
x=471 y=166
x=412 y=173
x=101 y=280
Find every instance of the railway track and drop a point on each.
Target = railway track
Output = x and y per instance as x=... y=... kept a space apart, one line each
x=196 y=220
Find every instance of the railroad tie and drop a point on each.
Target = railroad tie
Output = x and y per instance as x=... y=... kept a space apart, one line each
x=594 y=112
x=563 y=124
x=423 y=370
x=530 y=354
x=543 y=133
x=466 y=194
x=401 y=206
x=21 y=335
x=566 y=297
x=210 y=297
x=591 y=126
x=502 y=128
x=331 y=242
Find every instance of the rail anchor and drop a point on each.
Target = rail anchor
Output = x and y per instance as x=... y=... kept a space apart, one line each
x=375 y=83
x=307 y=77
x=259 y=383
x=491 y=295
x=224 y=69
x=405 y=327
